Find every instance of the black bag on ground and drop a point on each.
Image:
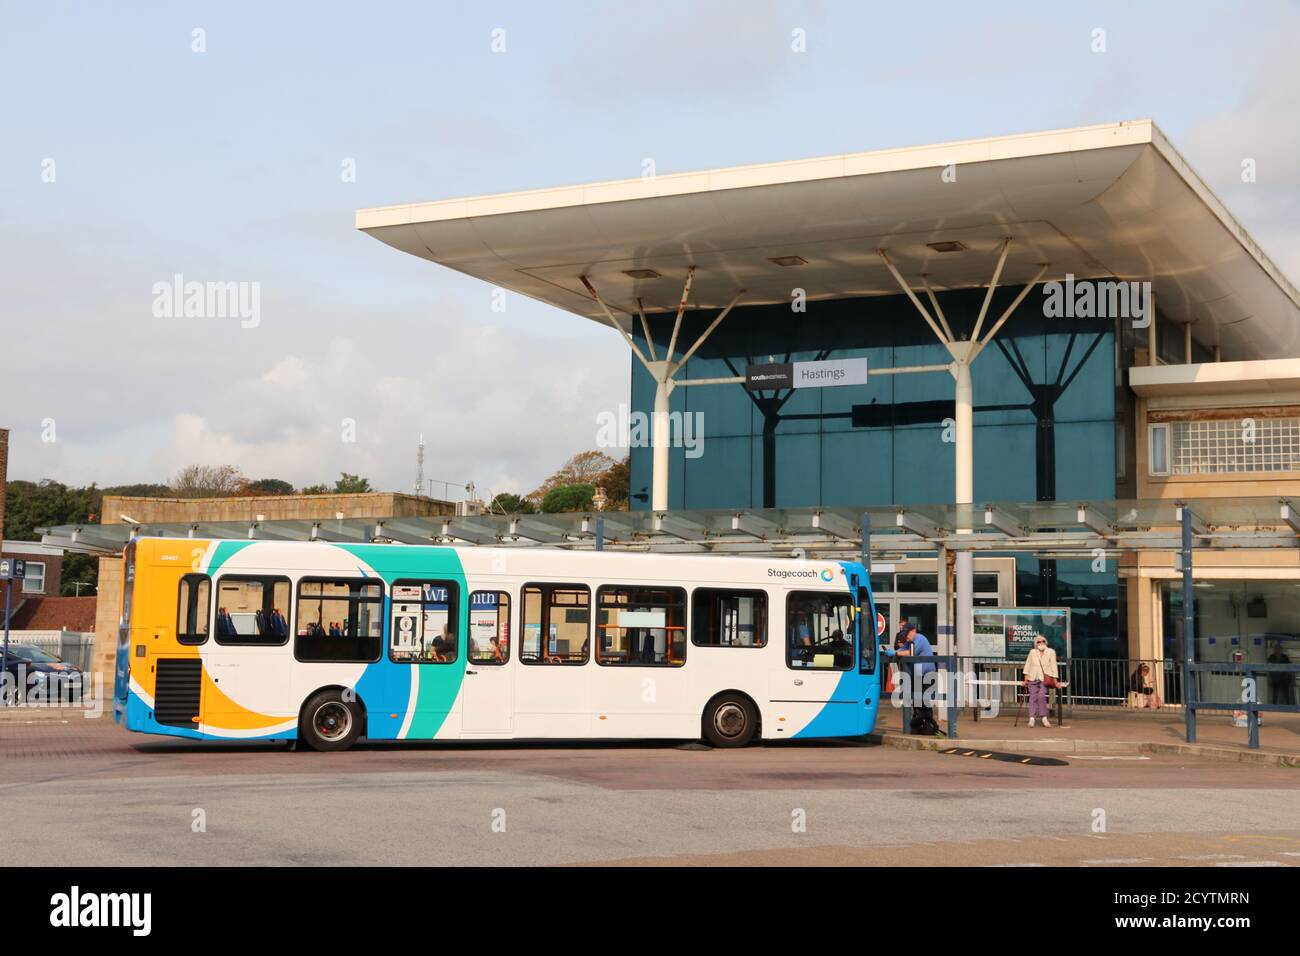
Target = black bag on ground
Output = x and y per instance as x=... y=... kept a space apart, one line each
x=923 y=723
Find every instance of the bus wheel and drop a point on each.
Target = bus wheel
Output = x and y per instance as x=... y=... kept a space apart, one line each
x=329 y=722
x=730 y=721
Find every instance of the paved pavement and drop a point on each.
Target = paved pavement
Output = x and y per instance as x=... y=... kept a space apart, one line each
x=1115 y=732
x=100 y=795
x=1279 y=733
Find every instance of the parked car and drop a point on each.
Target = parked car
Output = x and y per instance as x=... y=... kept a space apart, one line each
x=33 y=674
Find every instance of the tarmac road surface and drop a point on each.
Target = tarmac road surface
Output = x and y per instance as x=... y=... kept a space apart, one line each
x=86 y=792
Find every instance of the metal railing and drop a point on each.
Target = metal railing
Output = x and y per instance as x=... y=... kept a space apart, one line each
x=941 y=689
x=1090 y=684
x=1241 y=680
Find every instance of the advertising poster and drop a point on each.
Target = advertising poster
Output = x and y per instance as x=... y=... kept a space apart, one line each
x=1007 y=634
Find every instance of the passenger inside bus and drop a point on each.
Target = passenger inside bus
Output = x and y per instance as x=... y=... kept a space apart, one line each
x=444 y=646
x=804 y=649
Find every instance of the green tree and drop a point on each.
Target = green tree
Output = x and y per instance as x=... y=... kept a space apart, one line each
x=508 y=504
x=267 y=486
x=352 y=485
x=575 y=497
x=316 y=490
x=30 y=505
x=617 y=484
x=586 y=467
x=80 y=569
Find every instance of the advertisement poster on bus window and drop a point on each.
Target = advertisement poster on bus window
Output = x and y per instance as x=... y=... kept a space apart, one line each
x=1007 y=634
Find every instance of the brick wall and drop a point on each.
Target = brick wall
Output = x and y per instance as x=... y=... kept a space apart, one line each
x=53 y=570
x=108 y=610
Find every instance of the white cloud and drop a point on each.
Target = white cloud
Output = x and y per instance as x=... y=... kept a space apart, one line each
x=498 y=409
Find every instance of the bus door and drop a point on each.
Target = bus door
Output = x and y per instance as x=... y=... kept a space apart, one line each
x=488 y=704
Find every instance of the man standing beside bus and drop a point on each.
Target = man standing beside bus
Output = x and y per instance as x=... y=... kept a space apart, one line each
x=916 y=644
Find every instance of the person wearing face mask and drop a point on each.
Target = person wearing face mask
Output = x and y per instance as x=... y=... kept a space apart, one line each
x=1040 y=665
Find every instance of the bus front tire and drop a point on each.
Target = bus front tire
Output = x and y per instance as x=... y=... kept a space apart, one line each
x=330 y=723
x=730 y=720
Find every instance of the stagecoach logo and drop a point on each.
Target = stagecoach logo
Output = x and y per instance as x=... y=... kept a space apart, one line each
x=827 y=574
x=74 y=909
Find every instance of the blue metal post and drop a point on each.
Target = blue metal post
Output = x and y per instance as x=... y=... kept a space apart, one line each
x=1189 y=630
x=866 y=549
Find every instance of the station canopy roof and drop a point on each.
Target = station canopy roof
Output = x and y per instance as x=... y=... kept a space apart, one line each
x=1062 y=529
x=1109 y=201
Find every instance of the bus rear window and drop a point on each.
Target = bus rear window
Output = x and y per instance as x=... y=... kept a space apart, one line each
x=193 y=609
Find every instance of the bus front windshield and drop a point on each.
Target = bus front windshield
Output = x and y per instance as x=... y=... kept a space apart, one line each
x=821 y=629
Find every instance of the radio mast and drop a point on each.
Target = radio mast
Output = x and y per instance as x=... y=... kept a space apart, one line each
x=419 y=467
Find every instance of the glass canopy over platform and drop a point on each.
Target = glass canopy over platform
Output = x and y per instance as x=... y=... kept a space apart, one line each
x=1114 y=525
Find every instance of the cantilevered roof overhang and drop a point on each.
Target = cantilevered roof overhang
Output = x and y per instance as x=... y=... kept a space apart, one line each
x=1066 y=529
x=1110 y=201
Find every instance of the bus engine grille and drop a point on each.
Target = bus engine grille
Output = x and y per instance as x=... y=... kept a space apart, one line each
x=176 y=693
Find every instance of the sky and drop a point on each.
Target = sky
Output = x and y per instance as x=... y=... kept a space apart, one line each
x=134 y=149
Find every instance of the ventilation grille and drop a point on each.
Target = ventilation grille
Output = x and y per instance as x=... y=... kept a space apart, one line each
x=176 y=693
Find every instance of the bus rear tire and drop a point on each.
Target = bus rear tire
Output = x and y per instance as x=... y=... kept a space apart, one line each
x=730 y=720
x=330 y=723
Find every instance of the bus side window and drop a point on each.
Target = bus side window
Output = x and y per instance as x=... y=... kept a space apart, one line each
x=867 y=637
x=641 y=626
x=249 y=609
x=723 y=618
x=425 y=622
x=193 y=609
x=556 y=621
x=489 y=627
x=339 y=620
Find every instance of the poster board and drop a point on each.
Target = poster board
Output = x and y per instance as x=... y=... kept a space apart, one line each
x=1007 y=634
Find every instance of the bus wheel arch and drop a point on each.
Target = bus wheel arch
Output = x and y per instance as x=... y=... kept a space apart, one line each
x=332 y=718
x=730 y=719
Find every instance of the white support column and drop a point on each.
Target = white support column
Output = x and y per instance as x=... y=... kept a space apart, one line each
x=965 y=399
x=963 y=354
x=662 y=372
x=659 y=442
x=964 y=451
x=963 y=575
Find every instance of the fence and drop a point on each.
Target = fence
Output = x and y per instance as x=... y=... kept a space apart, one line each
x=1105 y=684
x=1239 y=684
x=75 y=647
x=913 y=692
x=1099 y=684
